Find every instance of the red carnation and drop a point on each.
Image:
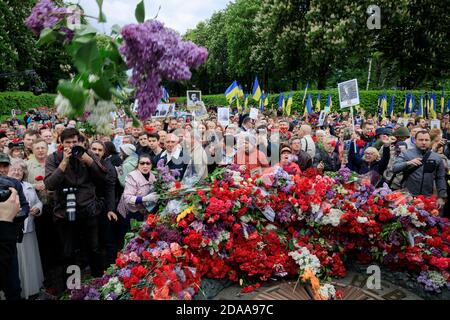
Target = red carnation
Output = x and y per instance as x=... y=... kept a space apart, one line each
x=39 y=178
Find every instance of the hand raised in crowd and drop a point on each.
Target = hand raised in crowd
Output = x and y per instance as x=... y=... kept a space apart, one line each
x=386 y=141
x=35 y=211
x=111 y=216
x=415 y=162
x=85 y=158
x=320 y=166
x=440 y=203
x=67 y=154
x=10 y=207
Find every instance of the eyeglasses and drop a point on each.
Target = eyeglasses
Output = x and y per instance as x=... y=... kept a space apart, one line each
x=145 y=163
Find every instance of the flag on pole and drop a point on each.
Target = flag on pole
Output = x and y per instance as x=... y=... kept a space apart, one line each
x=256 y=92
x=266 y=100
x=391 y=107
x=329 y=103
x=420 y=106
x=246 y=102
x=289 y=104
x=317 y=109
x=308 y=106
x=240 y=92
x=304 y=92
x=232 y=91
x=281 y=102
x=406 y=106
x=442 y=101
x=433 y=105
x=412 y=103
x=384 y=107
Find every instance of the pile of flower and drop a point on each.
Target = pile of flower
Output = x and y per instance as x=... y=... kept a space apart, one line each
x=276 y=225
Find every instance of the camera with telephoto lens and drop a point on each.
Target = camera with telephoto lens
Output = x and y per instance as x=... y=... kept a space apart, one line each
x=77 y=151
x=5 y=193
x=71 y=203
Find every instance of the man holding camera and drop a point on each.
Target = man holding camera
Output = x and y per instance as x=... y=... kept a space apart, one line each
x=71 y=173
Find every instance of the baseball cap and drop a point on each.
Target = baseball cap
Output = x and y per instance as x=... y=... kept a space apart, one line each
x=4 y=158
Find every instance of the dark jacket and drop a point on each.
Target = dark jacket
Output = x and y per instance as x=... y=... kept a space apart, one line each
x=8 y=240
x=362 y=167
x=416 y=180
x=107 y=191
x=355 y=158
x=179 y=164
x=115 y=160
x=331 y=163
x=304 y=160
x=77 y=175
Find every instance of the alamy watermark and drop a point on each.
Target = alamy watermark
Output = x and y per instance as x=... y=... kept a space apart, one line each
x=374 y=20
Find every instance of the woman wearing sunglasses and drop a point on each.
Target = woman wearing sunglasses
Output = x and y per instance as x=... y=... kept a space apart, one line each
x=138 y=190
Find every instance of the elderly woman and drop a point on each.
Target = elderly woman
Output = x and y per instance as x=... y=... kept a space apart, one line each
x=16 y=150
x=327 y=158
x=370 y=163
x=248 y=157
x=138 y=190
x=30 y=268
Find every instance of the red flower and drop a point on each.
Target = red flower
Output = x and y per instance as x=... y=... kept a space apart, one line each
x=39 y=178
x=177 y=185
x=247 y=289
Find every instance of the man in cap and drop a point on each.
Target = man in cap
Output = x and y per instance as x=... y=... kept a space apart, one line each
x=397 y=147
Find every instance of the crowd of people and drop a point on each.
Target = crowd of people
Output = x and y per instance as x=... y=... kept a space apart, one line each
x=79 y=192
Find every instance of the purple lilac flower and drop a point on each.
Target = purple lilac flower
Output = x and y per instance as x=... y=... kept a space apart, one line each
x=125 y=273
x=405 y=222
x=285 y=214
x=156 y=53
x=168 y=235
x=46 y=15
x=180 y=274
x=113 y=296
x=93 y=294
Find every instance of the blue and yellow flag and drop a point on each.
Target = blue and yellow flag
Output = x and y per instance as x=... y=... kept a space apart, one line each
x=442 y=101
x=281 y=102
x=308 y=106
x=420 y=106
x=240 y=92
x=384 y=107
x=406 y=106
x=433 y=105
x=412 y=103
x=256 y=92
x=289 y=104
x=246 y=102
x=317 y=109
x=391 y=107
x=329 y=103
x=266 y=100
x=232 y=91
x=304 y=92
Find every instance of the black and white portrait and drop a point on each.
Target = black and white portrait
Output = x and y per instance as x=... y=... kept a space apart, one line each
x=193 y=97
x=348 y=93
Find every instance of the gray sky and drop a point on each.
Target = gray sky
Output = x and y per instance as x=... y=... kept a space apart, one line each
x=179 y=15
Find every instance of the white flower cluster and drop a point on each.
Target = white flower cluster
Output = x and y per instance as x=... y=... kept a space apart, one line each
x=402 y=211
x=333 y=217
x=327 y=291
x=100 y=117
x=362 y=219
x=306 y=260
x=63 y=106
x=113 y=285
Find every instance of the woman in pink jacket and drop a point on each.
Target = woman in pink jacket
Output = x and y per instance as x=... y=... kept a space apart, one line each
x=138 y=190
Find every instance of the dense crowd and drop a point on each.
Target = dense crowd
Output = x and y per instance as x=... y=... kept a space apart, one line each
x=79 y=192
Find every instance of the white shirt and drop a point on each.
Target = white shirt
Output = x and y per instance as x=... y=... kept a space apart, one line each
x=308 y=145
x=175 y=153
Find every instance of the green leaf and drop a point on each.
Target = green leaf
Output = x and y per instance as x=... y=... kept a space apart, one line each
x=140 y=12
x=47 y=35
x=87 y=58
x=85 y=30
x=74 y=93
x=102 y=88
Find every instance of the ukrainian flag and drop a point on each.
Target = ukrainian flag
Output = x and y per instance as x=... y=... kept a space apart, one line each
x=240 y=92
x=420 y=107
x=433 y=105
x=245 y=102
x=407 y=110
x=281 y=102
x=289 y=104
x=384 y=107
x=304 y=92
x=329 y=103
x=266 y=100
x=256 y=92
x=442 y=101
x=412 y=103
x=391 y=107
x=318 y=103
x=232 y=91
x=308 y=107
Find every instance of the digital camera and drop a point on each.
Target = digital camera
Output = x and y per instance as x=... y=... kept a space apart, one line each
x=77 y=151
x=71 y=203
